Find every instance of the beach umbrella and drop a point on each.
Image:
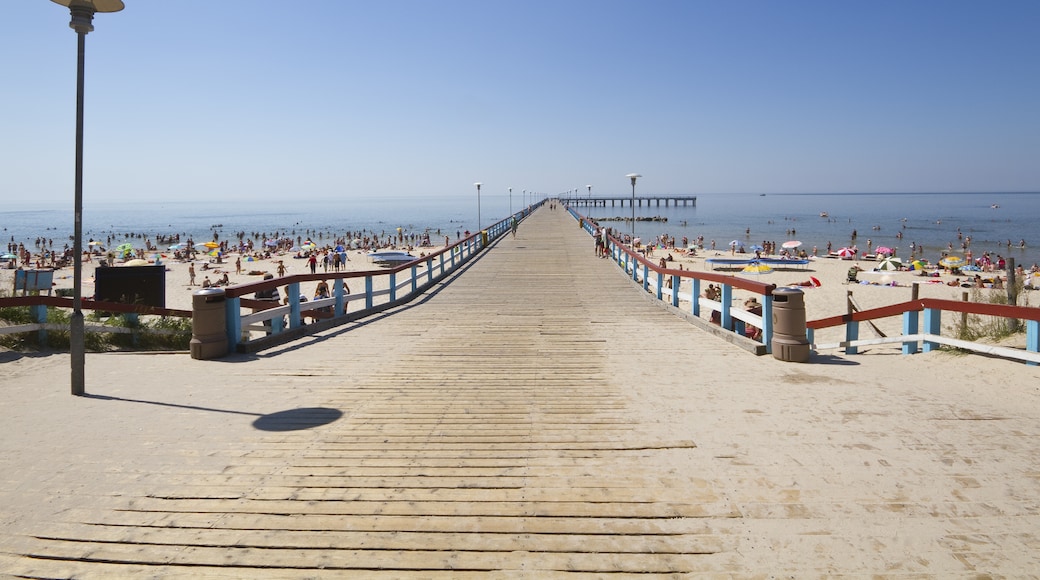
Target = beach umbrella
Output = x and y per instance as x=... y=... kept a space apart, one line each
x=201 y=246
x=211 y=245
x=884 y=251
x=756 y=268
x=175 y=247
x=790 y=244
x=95 y=244
x=918 y=265
x=124 y=248
x=137 y=262
x=294 y=249
x=890 y=264
x=756 y=248
x=734 y=243
x=271 y=243
x=846 y=253
x=249 y=258
x=952 y=262
x=8 y=257
x=338 y=249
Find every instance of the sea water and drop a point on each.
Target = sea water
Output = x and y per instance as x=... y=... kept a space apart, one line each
x=928 y=220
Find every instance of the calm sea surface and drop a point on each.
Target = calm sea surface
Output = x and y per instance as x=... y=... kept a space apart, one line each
x=928 y=220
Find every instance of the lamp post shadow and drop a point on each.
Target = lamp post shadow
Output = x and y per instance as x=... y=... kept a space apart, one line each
x=287 y=420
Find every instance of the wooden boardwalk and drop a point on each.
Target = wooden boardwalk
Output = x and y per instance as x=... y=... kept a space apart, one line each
x=533 y=417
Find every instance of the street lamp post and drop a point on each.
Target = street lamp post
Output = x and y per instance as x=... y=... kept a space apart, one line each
x=82 y=12
x=590 y=195
x=510 y=201
x=633 y=177
x=478 y=184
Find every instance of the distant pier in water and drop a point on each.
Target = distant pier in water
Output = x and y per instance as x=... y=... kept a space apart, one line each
x=622 y=200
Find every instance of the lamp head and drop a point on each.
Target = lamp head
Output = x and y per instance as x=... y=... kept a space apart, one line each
x=478 y=184
x=83 y=12
x=633 y=177
x=98 y=5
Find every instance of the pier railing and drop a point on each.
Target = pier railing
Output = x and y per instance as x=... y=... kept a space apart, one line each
x=665 y=284
x=38 y=306
x=622 y=200
x=255 y=324
x=922 y=328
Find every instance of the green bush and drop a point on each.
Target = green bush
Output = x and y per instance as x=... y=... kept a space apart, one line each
x=992 y=327
x=141 y=339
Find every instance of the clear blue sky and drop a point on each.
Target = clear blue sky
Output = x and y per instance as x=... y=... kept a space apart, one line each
x=336 y=98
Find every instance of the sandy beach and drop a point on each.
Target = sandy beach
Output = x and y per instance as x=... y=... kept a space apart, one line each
x=179 y=289
x=830 y=298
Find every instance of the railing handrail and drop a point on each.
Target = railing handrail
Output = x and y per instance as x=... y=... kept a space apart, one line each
x=730 y=319
x=731 y=279
x=88 y=304
x=250 y=287
x=982 y=308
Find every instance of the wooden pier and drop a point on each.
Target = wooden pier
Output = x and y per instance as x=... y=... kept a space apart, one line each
x=535 y=416
x=622 y=200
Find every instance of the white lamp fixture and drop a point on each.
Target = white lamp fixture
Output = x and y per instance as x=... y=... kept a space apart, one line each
x=633 y=177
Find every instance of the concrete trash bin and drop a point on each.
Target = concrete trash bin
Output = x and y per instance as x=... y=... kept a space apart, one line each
x=208 y=324
x=789 y=342
x=483 y=238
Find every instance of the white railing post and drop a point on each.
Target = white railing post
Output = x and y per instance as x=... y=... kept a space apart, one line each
x=293 y=291
x=233 y=322
x=339 y=293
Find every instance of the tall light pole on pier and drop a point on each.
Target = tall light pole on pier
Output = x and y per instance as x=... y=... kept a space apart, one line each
x=633 y=177
x=590 y=194
x=478 y=184
x=82 y=12
x=510 y=201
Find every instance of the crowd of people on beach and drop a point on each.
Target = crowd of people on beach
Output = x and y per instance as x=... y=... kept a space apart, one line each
x=221 y=257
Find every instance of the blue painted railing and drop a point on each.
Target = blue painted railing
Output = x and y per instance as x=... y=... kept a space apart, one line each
x=654 y=279
x=380 y=289
x=922 y=328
